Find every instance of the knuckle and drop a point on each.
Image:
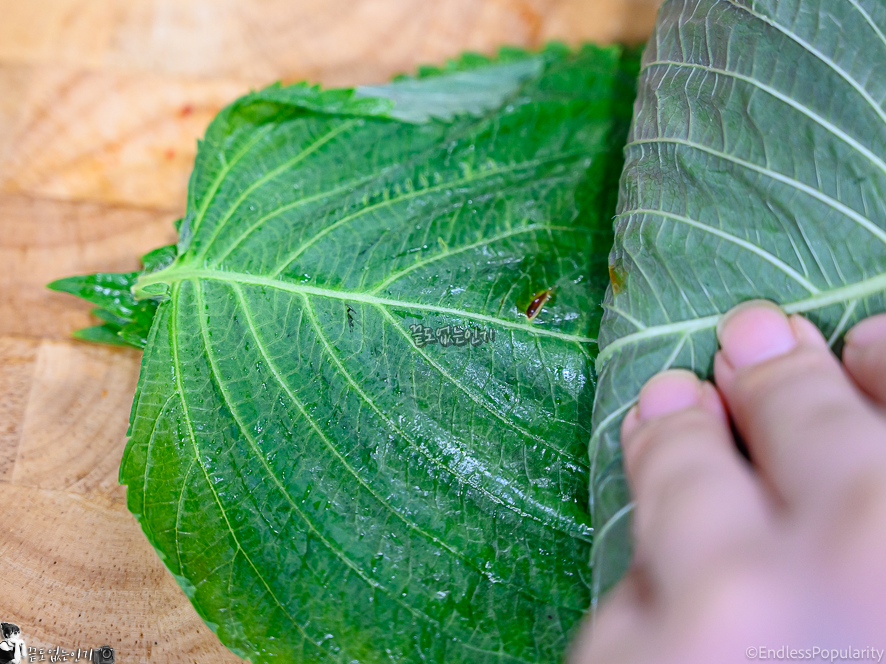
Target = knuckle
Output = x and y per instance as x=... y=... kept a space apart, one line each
x=802 y=387
x=779 y=373
x=666 y=498
x=667 y=442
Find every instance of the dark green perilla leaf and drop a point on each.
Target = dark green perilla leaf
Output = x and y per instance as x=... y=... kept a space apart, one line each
x=111 y=292
x=323 y=484
x=102 y=334
x=127 y=320
x=111 y=319
x=160 y=258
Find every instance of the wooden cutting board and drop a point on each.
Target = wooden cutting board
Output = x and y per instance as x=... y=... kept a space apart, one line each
x=101 y=104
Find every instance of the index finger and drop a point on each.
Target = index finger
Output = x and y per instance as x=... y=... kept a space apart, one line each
x=806 y=425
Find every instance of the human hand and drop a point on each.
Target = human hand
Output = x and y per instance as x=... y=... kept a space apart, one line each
x=786 y=551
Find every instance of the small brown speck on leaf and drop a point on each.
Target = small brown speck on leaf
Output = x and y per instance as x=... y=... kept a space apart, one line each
x=617 y=279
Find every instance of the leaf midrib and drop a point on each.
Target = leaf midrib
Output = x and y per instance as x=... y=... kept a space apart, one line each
x=574 y=529
x=854 y=291
x=837 y=205
x=174 y=275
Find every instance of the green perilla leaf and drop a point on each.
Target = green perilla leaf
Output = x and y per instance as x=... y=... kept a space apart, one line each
x=324 y=483
x=755 y=168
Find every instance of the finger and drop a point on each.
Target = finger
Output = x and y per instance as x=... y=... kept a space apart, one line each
x=864 y=357
x=696 y=499
x=611 y=635
x=807 y=427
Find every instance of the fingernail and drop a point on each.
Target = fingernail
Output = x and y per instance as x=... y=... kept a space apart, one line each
x=753 y=332
x=668 y=392
x=867 y=331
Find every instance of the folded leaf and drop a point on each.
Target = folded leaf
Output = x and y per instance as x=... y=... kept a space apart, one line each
x=474 y=91
x=350 y=442
x=754 y=169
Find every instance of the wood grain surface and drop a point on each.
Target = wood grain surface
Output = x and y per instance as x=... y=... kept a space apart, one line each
x=101 y=103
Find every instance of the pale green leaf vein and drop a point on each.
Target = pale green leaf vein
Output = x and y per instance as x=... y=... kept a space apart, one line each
x=598 y=432
x=412 y=194
x=178 y=513
x=843 y=322
x=270 y=175
x=150 y=448
x=187 y=418
x=345 y=186
x=805 y=110
x=582 y=531
x=178 y=274
x=862 y=221
x=567 y=527
x=729 y=237
x=476 y=398
x=870 y=21
x=858 y=290
x=209 y=196
x=816 y=53
x=476 y=245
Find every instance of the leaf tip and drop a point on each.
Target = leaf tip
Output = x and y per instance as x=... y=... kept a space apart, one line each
x=100 y=334
x=65 y=285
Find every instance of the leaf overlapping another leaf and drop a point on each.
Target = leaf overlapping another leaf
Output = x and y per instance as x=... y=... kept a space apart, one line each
x=323 y=486
x=754 y=169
